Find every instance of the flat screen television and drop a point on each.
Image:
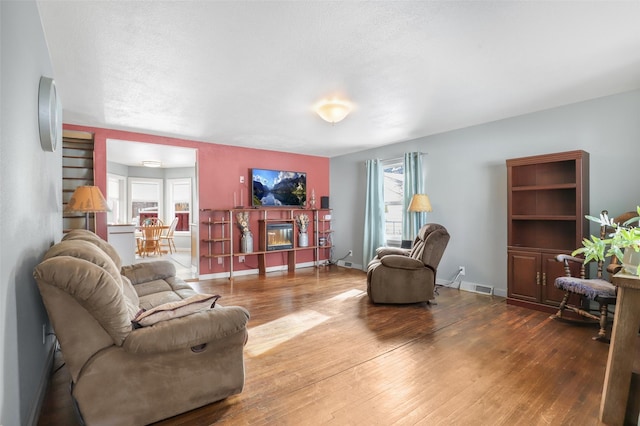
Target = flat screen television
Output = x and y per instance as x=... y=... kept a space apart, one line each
x=272 y=188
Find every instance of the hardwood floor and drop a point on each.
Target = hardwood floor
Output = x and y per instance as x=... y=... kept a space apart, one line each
x=320 y=353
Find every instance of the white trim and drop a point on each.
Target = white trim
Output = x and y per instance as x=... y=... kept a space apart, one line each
x=34 y=413
x=122 y=195
x=277 y=268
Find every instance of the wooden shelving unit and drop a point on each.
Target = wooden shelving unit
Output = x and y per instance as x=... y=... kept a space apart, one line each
x=548 y=197
x=220 y=224
x=219 y=243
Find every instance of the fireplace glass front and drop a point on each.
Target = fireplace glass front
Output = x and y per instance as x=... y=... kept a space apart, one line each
x=279 y=236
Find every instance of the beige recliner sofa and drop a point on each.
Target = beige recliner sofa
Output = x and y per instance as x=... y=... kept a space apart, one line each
x=123 y=375
x=398 y=275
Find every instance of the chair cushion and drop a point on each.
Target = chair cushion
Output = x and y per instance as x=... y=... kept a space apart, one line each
x=588 y=288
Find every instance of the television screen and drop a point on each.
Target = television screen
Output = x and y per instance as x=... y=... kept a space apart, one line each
x=278 y=188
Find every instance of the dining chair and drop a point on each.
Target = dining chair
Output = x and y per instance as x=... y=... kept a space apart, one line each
x=152 y=221
x=166 y=239
x=149 y=241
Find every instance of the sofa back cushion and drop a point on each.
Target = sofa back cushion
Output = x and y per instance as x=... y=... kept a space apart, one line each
x=93 y=287
x=85 y=235
x=89 y=251
x=430 y=243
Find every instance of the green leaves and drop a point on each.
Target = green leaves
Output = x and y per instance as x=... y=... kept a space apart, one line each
x=624 y=236
x=593 y=249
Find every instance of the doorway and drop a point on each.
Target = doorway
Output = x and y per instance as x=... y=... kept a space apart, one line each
x=147 y=180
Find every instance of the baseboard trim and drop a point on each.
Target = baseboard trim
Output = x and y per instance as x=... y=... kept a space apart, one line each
x=276 y=268
x=34 y=414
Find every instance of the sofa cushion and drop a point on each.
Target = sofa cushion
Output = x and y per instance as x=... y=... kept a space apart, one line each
x=129 y=291
x=167 y=311
x=149 y=271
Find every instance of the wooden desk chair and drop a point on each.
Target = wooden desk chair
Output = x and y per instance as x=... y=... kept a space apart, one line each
x=149 y=242
x=598 y=289
x=167 y=238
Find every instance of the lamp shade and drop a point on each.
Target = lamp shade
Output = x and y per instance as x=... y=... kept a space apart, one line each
x=333 y=111
x=420 y=203
x=87 y=199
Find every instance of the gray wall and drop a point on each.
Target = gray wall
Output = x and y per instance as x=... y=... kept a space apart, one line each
x=467 y=183
x=30 y=213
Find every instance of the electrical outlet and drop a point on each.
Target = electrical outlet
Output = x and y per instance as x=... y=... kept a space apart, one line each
x=462 y=270
x=241 y=179
x=220 y=261
x=350 y=253
x=44 y=334
x=241 y=259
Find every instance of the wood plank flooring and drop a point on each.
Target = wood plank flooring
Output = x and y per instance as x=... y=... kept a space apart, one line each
x=319 y=353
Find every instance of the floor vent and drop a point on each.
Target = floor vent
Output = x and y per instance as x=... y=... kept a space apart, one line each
x=347 y=264
x=483 y=289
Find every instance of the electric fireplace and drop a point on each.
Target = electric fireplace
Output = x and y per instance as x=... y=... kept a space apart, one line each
x=276 y=235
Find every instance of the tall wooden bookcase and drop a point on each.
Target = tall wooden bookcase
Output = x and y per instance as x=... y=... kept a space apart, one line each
x=548 y=197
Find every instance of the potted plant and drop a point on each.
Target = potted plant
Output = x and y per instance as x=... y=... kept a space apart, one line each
x=623 y=242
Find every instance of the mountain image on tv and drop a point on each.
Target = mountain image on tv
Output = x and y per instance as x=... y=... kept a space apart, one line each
x=278 y=188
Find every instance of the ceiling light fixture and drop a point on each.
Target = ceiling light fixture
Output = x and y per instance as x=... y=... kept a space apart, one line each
x=152 y=163
x=334 y=110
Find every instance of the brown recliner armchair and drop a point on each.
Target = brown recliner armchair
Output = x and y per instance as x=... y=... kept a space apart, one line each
x=408 y=275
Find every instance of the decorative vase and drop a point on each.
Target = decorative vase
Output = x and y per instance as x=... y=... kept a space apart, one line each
x=246 y=242
x=303 y=239
x=630 y=261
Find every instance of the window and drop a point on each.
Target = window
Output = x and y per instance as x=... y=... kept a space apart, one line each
x=179 y=202
x=393 y=200
x=116 y=199
x=146 y=198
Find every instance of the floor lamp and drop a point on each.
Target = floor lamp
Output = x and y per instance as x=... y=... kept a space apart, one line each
x=87 y=199
x=420 y=204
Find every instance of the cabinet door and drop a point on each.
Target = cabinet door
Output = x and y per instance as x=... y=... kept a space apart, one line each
x=524 y=275
x=551 y=269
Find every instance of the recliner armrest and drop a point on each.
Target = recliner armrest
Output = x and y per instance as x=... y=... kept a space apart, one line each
x=149 y=271
x=189 y=331
x=386 y=251
x=402 y=262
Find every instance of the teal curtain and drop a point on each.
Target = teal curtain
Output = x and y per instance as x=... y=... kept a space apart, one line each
x=374 y=235
x=413 y=184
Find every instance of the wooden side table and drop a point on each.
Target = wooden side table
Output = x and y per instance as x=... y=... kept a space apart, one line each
x=617 y=378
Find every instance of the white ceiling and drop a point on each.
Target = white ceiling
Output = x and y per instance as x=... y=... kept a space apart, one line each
x=248 y=73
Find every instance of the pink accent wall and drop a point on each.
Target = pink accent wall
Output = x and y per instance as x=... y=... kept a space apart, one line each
x=219 y=171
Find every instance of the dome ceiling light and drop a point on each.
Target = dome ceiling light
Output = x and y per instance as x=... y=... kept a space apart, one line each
x=334 y=110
